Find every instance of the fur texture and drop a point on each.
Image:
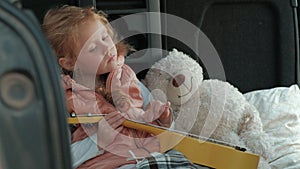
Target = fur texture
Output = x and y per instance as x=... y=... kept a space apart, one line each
x=208 y=108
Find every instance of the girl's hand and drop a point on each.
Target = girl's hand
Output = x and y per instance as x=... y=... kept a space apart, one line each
x=109 y=128
x=122 y=102
x=166 y=117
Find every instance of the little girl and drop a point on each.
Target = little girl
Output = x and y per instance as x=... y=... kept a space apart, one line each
x=97 y=81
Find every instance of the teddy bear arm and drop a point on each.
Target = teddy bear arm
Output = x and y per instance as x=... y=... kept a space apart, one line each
x=254 y=136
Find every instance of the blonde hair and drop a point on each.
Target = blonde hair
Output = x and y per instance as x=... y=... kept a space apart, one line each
x=61 y=27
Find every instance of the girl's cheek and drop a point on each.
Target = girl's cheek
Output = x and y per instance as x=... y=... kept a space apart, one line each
x=89 y=63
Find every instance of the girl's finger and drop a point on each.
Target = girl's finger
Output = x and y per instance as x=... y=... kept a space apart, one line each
x=115 y=120
x=117 y=123
x=119 y=129
x=112 y=116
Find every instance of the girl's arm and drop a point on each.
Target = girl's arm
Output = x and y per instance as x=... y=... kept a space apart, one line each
x=127 y=97
x=87 y=148
x=166 y=118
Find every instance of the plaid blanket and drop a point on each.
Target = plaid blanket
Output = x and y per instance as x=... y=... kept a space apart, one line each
x=170 y=160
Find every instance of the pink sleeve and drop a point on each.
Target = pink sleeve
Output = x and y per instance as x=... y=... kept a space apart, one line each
x=123 y=84
x=82 y=100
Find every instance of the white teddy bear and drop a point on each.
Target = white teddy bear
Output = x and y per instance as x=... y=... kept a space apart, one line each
x=207 y=108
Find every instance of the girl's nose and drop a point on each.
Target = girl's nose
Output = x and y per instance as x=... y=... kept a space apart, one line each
x=178 y=80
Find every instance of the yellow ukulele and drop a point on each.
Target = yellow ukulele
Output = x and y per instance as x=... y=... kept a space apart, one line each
x=198 y=151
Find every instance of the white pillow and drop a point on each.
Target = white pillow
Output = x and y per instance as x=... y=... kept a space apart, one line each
x=280 y=114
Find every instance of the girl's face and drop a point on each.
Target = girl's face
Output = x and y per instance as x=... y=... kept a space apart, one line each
x=97 y=53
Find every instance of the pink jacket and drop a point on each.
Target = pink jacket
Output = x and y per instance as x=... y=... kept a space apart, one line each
x=123 y=84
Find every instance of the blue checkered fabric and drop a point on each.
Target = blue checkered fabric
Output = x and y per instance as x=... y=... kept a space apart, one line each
x=170 y=160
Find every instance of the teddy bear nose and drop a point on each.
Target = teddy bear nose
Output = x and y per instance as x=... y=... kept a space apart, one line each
x=178 y=80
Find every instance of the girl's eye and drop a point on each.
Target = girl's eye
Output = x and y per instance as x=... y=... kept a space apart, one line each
x=105 y=37
x=92 y=48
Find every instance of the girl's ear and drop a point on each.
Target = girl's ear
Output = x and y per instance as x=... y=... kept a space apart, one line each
x=67 y=63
